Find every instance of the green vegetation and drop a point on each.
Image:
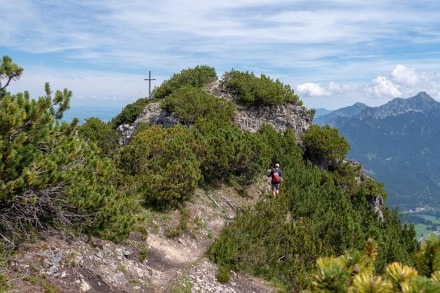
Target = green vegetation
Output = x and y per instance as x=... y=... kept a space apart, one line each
x=182 y=226
x=250 y=90
x=281 y=240
x=65 y=175
x=223 y=274
x=182 y=285
x=99 y=132
x=324 y=146
x=190 y=103
x=428 y=257
x=198 y=77
x=425 y=222
x=129 y=113
x=228 y=153
x=51 y=176
x=9 y=71
x=165 y=169
x=353 y=272
x=3 y=266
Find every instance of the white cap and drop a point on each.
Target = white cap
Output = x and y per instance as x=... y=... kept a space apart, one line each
x=277 y=165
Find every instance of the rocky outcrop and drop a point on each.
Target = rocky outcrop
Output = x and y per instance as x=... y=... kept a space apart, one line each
x=153 y=114
x=281 y=117
x=377 y=203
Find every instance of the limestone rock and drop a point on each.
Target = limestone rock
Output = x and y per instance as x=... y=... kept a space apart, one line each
x=152 y=115
x=281 y=117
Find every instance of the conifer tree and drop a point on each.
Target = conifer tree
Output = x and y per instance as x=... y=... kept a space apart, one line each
x=164 y=166
x=9 y=71
x=49 y=175
x=323 y=146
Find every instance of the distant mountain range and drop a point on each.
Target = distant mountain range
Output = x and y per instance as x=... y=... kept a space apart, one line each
x=342 y=112
x=322 y=111
x=398 y=144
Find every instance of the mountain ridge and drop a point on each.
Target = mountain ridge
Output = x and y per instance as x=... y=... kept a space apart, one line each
x=398 y=144
x=342 y=112
x=421 y=102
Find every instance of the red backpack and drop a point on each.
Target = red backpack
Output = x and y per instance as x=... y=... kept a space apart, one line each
x=276 y=178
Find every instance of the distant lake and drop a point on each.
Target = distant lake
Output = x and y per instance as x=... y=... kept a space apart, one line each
x=102 y=109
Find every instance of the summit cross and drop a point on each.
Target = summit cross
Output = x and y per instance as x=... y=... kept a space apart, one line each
x=149 y=83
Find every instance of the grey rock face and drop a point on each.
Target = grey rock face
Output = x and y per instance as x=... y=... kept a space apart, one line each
x=151 y=115
x=282 y=117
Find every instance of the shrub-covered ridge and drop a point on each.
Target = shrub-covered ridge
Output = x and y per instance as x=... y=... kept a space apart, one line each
x=66 y=175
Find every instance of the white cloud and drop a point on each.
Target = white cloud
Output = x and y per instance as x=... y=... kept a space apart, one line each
x=116 y=31
x=312 y=89
x=329 y=51
x=410 y=81
x=381 y=87
x=402 y=81
x=405 y=76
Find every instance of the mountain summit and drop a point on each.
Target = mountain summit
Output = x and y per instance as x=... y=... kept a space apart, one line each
x=342 y=112
x=422 y=103
x=398 y=143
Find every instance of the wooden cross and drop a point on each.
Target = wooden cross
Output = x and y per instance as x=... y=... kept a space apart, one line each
x=149 y=82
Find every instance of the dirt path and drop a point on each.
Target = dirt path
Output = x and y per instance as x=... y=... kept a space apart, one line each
x=149 y=262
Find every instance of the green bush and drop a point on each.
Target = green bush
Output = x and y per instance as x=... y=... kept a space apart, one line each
x=352 y=272
x=9 y=71
x=198 y=76
x=280 y=147
x=189 y=103
x=182 y=227
x=323 y=146
x=4 y=259
x=223 y=275
x=228 y=152
x=428 y=257
x=164 y=164
x=280 y=240
x=129 y=113
x=49 y=175
x=101 y=133
x=250 y=90
x=369 y=188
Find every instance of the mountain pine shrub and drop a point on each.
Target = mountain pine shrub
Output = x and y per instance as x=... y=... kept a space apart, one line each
x=50 y=176
x=351 y=272
x=189 y=103
x=252 y=91
x=198 y=76
x=164 y=165
x=323 y=146
x=97 y=131
x=280 y=240
x=229 y=153
x=428 y=257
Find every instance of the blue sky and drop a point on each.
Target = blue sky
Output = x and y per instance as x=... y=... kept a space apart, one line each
x=333 y=53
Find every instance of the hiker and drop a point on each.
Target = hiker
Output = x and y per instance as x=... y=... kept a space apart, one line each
x=276 y=178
